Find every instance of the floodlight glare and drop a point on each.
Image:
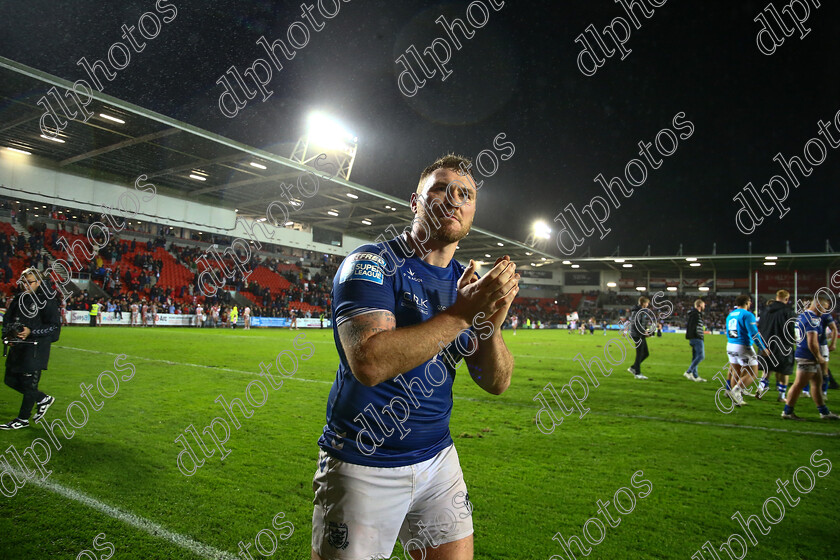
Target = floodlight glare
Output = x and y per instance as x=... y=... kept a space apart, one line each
x=542 y=230
x=328 y=133
x=575 y=266
x=671 y=288
x=611 y=284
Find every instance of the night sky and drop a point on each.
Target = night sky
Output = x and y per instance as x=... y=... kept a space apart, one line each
x=518 y=75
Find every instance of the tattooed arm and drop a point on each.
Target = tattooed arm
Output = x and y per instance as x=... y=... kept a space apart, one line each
x=377 y=350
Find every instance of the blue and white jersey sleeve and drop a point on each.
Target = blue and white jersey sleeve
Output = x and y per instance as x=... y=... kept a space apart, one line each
x=362 y=284
x=825 y=319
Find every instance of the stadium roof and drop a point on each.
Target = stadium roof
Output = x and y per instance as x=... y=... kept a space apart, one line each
x=719 y=264
x=168 y=151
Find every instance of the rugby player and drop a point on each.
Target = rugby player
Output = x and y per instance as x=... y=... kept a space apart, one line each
x=809 y=360
x=741 y=333
x=404 y=314
x=826 y=345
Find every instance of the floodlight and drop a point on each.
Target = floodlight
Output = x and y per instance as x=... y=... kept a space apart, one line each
x=541 y=230
x=695 y=264
x=769 y=263
x=575 y=266
x=611 y=284
x=328 y=133
x=691 y=259
x=771 y=258
x=627 y=265
x=704 y=288
x=18 y=151
x=671 y=288
x=641 y=288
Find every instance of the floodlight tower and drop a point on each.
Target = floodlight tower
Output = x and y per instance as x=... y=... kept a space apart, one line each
x=325 y=135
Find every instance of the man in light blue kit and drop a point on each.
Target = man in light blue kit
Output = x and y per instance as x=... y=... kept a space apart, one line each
x=809 y=359
x=741 y=334
x=404 y=314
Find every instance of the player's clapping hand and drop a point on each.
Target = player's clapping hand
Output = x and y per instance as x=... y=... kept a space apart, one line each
x=491 y=295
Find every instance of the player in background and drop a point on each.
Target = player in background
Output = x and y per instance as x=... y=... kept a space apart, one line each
x=828 y=343
x=771 y=326
x=809 y=359
x=741 y=334
x=246 y=315
x=134 y=318
x=604 y=326
x=695 y=329
x=144 y=313
x=514 y=322
x=400 y=338
x=63 y=310
x=639 y=329
x=199 y=310
x=293 y=322
x=154 y=314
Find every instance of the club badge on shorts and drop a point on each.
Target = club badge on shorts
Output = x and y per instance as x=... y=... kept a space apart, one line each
x=338 y=535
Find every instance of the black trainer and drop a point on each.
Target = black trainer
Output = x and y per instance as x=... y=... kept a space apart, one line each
x=42 y=408
x=15 y=424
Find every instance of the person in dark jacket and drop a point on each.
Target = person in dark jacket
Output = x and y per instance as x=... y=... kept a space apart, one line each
x=778 y=317
x=694 y=329
x=30 y=324
x=642 y=325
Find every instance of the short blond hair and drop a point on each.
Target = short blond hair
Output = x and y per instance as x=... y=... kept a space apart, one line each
x=697 y=302
x=782 y=295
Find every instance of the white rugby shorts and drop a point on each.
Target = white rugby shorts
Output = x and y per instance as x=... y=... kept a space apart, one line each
x=741 y=355
x=360 y=511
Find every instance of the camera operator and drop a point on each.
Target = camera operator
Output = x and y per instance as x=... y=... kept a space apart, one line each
x=26 y=343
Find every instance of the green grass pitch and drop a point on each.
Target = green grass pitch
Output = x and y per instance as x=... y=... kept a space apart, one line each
x=525 y=486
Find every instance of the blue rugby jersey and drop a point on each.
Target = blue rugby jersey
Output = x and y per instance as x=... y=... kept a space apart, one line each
x=361 y=426
x=741 y=328
x=805 y=323
x=825 y=319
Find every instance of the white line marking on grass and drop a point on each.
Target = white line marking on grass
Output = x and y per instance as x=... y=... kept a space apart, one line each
x=485 y=401
x=150 y=527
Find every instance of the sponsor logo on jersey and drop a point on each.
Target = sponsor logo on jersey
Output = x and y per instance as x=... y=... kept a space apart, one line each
x=413 y=276
x=363 y=266
x=411 y=300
